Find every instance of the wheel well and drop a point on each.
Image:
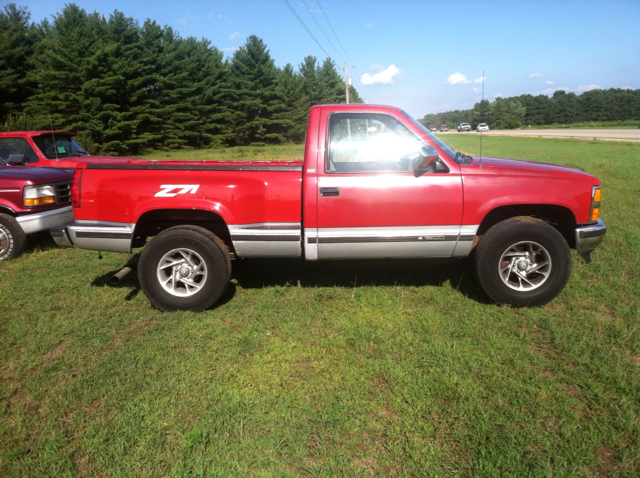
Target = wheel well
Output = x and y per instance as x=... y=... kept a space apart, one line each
x=559 y=217
x=154 y=222
x=7 y=211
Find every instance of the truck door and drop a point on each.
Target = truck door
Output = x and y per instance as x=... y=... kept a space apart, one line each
x=371 y=203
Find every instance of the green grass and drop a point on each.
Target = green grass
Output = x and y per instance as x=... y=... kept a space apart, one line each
x=330 y=369
x=241 y=153
x=622 y=124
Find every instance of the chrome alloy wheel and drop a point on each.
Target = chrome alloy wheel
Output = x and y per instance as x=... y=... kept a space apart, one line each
x=182 y=272
x=5 y=242
x=525 y=266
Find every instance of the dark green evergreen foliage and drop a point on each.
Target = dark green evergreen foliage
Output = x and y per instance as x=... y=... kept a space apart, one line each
x=183 y=103
x=291 y=86
x=323 y=84
x=127 y=88
x=86 y=70
x=17 y=38
x=260 y=112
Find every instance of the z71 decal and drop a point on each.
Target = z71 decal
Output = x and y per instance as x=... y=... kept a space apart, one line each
x=172 y=190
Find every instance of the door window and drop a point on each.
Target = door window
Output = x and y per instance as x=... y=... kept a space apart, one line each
x=364 y=143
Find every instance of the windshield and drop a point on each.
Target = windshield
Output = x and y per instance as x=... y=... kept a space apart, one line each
x=58 y=146
x=434 y=138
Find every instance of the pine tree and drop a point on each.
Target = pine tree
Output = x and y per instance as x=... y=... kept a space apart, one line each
x=259 y=105
x=291 y=86
x=17 y=38
x=60 y=68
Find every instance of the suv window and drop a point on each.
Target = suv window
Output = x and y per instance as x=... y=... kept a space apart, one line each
x=369 y=142
x=17 y=150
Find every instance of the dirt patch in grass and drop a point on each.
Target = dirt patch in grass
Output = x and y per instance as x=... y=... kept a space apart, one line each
x=22 y=399
x=607 y=458
x=83 y=463
x=49 y=357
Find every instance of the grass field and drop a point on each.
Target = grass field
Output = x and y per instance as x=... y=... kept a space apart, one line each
x=331 y=369
x=242 y=153
x=626 y=124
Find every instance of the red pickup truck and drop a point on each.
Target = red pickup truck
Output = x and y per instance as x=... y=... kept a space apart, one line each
x=31 y=200
x=56 y=149
x=374 y=183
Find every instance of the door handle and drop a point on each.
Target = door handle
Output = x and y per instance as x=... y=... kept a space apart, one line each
x=329 y=192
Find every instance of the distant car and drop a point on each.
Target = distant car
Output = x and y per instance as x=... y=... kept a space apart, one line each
x=464 y=127
x=444 y=128
x=434 y=129
x=482 y=127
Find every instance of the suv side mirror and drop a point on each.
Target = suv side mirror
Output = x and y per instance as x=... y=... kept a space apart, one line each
x=427 y=160
x=17 y=160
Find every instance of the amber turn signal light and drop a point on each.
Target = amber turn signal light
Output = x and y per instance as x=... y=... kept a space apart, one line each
x=38 y=201
x=596 y=195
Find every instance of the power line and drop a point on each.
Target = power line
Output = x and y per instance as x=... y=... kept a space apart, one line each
x=325 y=35
x=291 y=9
x=286 y=2
x=334 y=32
x=337 y=38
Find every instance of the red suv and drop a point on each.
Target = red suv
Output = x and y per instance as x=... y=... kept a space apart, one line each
x=31 y=200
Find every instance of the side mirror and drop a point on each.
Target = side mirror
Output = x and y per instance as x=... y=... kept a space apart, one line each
x=427 y=160
x=17 y=160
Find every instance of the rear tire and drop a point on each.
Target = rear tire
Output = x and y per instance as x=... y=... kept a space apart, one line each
x=184 y=268
x=522 y=262
x=12 y=238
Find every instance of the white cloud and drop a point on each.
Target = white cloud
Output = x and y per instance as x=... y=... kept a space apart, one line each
x=376 y=67
x=584 y=88
x=536 y=75
x=549 y=82
x=459 y=79
x=368 y=25
x=231 y=48
x=385 y=77
x=477 y=90
x=234 y=35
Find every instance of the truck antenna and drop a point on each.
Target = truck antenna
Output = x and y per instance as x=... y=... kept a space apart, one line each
x=481 y=131
x=53 y=138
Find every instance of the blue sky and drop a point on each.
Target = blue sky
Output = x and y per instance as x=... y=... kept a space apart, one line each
x=423 y=56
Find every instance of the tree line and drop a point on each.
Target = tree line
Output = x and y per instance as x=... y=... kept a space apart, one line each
x=128 y=88
x=614 y=104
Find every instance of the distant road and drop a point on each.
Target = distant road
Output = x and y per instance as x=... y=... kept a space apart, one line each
x=603 y=134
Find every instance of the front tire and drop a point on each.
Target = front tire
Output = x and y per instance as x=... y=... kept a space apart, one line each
x=522 y=262
x=12 y=238
x=184 y=268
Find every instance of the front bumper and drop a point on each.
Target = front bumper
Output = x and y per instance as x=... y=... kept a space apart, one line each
x=589 y=237
x=42 y=221
x=96 y=236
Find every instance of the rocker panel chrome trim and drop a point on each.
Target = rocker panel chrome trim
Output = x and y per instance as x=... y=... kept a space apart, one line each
x=267 y=239
x=101 y=235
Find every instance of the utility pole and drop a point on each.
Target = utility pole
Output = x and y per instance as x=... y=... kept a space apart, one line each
x=347 y=79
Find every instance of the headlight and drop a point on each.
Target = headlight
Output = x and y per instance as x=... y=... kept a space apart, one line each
x=36 y=195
